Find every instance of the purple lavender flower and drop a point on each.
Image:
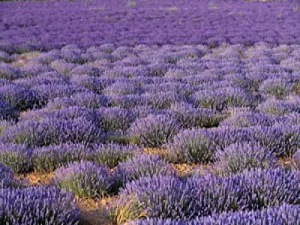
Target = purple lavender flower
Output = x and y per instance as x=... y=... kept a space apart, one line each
x=8 y=72
x=192 y=145
x=156 y=197
x=245 y=156
x=17 y=157
x=47 y=159
x=84 y=179
x=278 y=88
x=20 y=97
x=34 y=205
x=281 y=215
x=154 y=130
x=248 y=119
x=115 y=118
x=189 y=117
x=52 y=131
x=95 y=84
x=143 y=166
x=111 y=155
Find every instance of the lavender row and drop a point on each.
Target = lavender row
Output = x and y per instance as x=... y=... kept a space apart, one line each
x=282 y=215
x=169 y=197
x=58 y=23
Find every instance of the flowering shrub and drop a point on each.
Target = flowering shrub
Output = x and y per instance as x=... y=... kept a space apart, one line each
x=47 y=159
x=17 y=157
x=52 y=131
x=245 y=156
x=34 y=205
x=143 y=166
x=84 y=179
x=111 y=154
x=154 y=130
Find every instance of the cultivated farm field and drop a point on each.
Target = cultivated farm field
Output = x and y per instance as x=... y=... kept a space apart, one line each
x=150 y=112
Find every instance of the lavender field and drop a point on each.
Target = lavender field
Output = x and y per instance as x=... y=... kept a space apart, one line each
x=150 y=112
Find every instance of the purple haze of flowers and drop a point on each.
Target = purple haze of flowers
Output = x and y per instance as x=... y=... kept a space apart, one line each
x=84 y=179
x=37 y=205
x=113 y=23
x=154 y=130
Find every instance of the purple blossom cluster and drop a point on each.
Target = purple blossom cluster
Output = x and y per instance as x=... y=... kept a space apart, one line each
x=44 y=205
x=84 y=179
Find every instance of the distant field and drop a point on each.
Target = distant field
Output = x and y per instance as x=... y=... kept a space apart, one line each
x=50 y=24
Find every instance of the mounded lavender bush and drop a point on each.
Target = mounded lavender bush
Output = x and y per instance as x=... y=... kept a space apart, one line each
x=279 y=139
x=189 y=117
x=220 y=99
x=277 y=107
x=278 y=88
x=52 y=131
x=8 y=72
x=154 y=130
x=248 y=119
x=84 y=179
x=37 y=205
x=115 y=118
x=89 y=100
x=6 y=176
x=161 y=100
x=143 y=166
x=249 y=190
x=49 y=158
x=94 y=84
x=17 y=157
x=19 y=97
x=156 y=197
x=244 y=156
x=191 y=146
x=110 y=155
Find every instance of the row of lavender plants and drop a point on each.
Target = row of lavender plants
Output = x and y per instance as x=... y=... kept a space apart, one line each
x=131 y=22
x=87 y=115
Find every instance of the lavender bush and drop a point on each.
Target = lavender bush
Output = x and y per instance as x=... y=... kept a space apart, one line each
x=143 y=166
x=245 y=156
x=17 y=157
x=110 y=155
x=154 y=130
x=37 y=205
x=49 y=158
x=84 y=179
